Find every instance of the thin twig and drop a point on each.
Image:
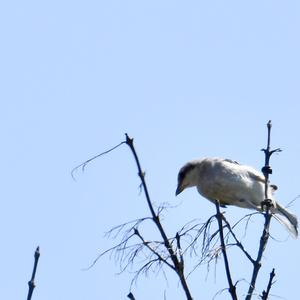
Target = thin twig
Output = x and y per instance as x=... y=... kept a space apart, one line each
x=31 y=283
x=121 y=246
x=84 y=164
x=232 y=288
x=268 y=204
x=237 y=242
x=146 y=244
x=265 y=294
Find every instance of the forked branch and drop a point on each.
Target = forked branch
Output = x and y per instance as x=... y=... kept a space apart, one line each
x=177 y=263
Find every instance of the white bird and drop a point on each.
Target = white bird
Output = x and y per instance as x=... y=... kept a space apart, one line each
x=230 y=183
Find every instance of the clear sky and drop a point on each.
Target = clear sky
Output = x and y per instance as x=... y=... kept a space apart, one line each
x=184 y=78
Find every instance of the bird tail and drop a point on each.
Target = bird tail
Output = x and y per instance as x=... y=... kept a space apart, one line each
x=287 y=219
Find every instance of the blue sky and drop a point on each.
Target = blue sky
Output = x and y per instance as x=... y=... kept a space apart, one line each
x=185 y=79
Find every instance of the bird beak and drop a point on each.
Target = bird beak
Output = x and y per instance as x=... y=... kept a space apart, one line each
x=179 y=189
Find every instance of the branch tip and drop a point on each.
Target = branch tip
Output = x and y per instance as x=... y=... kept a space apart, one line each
x=129 y=140
x=265 y=293
x=37 y=252
x=31 y=283
x=130 y=296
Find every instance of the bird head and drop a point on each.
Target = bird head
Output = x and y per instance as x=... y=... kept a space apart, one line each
x=186 y=177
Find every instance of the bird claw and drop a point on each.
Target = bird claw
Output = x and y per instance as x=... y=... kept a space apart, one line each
x=268 y=203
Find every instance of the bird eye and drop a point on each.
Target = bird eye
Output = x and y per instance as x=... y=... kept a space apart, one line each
x=181 y=176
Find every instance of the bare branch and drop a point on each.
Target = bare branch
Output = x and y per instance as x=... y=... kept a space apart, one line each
x=154 y=251
x=265 y=294
x=268 y=204
x=232 y=288
x=176 y=263
x=84 y=164
x=116 y=230
x=119 y=248
x=159 y=252
x=31 y=283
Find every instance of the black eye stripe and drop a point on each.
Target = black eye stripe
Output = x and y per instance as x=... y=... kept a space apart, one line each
x=181 y=175
x=184 y=171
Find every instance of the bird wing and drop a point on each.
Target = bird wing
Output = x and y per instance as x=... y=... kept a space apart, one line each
x=256 y=176
x=252 y=173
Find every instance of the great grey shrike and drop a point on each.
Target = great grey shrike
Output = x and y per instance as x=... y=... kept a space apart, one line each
x=230 y=183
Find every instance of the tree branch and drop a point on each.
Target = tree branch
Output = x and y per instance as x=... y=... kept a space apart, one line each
x=178 y=266
x=267 y=203
x=136 y=232
x=265 y=294
x=31 y=283
x=219 y=216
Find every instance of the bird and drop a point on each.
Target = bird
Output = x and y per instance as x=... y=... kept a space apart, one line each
x=231 y=183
